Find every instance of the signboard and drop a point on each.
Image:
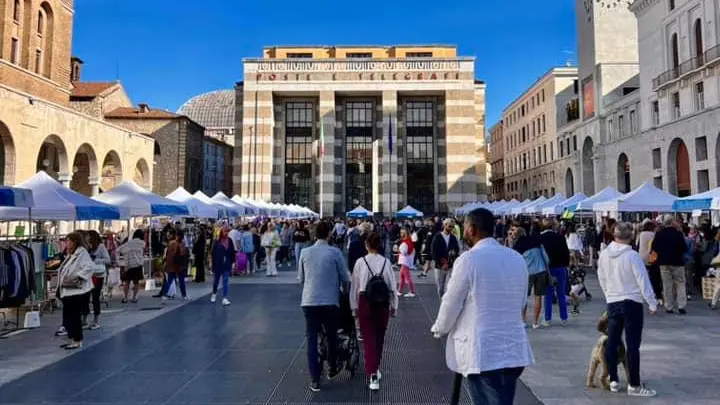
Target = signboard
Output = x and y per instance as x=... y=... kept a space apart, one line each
x=357 y=66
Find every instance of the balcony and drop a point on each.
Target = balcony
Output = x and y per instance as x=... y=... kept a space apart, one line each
x=709 y=57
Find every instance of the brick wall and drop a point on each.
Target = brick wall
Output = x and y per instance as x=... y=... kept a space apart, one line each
x=192 y=149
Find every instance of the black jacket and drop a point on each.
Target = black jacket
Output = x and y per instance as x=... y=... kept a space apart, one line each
x=669 y=244
x=356 y=250
x=556 y=249
x=440 y=250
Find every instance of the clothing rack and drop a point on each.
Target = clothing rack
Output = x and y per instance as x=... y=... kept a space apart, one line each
x=32 y=288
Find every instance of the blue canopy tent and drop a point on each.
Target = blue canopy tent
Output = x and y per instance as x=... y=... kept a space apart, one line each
x=359 y=212
x=53 y=201
x=16 y=197
x=409 y=212
x=702 y=201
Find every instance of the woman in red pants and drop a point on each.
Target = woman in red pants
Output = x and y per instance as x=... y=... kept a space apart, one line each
x=373 y=300
x=406 y=260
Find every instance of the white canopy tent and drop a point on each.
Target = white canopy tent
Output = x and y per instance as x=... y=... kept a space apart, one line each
x=196 y=207
x=250 y=207
x=559 y=208
x=505 y=208
x=53 y=201
x=536 y=208
x=233 y=209
x=409 y=212
x=223 y=210
x=647 y=197
x=606 y=194
x=141 y=202
x=520 y=209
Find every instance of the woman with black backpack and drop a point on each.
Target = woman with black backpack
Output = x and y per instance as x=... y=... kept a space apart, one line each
x=373 y=299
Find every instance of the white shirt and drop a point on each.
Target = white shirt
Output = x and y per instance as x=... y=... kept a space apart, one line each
x=623 y=276
x=405 y=259
x=446 y=236
x=574 y=242
x=236 y=238
x=481 y=311
x=361 y=275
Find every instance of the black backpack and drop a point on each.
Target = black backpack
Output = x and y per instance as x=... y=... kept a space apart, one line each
x=376 y=289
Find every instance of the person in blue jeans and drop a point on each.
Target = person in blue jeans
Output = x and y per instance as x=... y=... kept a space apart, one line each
x=223 y=256
x=559 y=256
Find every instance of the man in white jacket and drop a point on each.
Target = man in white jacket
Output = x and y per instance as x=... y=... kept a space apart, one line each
x=480 y=313
x=626 y=285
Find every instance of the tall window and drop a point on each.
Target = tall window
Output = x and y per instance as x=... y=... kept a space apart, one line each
x=621 y=125
x=671 y=5
x=697 y=28
x=299 y=119
x=676 y=105
x=633 y=122
x=610 y=129
x=358 y=158
x=543 y=123
x=38 y=61
x=420 y=155
x=16 y=11
x=15 y=51
x=40 y=23
x=655 y=113
x=674 y=55
x=699 y=96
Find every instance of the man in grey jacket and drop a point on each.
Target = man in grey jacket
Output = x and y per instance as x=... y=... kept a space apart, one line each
x=322 y=271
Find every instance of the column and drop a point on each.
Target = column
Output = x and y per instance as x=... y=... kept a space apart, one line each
x=327 y=178
x=255 y=163
x=389 y=173
x=461 y=159
x=94 y=183
x=64 y=179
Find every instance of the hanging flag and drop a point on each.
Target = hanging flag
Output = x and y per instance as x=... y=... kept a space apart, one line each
x=390 y=140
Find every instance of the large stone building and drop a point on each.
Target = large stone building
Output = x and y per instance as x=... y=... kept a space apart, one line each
x=215 y=111
x=42 y=125
x=529 y=136
x=496 y=152
x=331 y=127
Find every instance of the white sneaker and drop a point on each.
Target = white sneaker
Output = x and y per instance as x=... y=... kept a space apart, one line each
x=379 y=375
x=641 y=391
x=374 y=383
x=213 y=298
x=399 y=294
x=410 y=295
x=614 y=386
x=164 y=300
x=545 y=324
x=225 y=302
x=536 y=326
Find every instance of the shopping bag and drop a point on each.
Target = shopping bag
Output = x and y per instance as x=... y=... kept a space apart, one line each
x=32 y=320
x=241 y=262
x=113 y=277
x=171 y=290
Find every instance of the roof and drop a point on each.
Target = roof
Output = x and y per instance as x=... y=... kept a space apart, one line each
x=215 y=109
x=135 y=112
x=361 y=46
x=90 y=89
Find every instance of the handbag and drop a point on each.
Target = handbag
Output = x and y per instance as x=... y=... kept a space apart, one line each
x=73 y=283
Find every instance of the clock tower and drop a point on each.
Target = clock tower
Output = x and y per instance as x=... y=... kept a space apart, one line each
x=607 y=49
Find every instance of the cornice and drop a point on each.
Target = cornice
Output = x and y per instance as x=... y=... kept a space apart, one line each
x=639 y=6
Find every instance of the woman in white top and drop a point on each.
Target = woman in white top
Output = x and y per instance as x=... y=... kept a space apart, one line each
x=271 y=241
x=575 y=245
x=133 y=253
x=373 y=314
x=101 y=257
x=406 y=260
x=74 y=286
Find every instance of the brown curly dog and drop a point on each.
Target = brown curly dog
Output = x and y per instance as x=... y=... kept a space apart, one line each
x=597 y=357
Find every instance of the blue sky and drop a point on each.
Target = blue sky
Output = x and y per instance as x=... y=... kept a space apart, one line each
x=166 y=51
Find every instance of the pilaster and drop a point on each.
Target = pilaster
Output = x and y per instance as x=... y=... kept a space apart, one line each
x=326 y=160
x=389 y=191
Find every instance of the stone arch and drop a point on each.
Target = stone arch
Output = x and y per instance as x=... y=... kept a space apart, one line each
x=678 y=165
x=569 y=183
x=623 y=173
x=52 y=157
x=85 y=178
x=7 y=156
x=111 y=172
x=588 y=166
x=141 y=176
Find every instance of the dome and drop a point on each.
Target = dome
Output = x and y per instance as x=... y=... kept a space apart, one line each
x=215 y=109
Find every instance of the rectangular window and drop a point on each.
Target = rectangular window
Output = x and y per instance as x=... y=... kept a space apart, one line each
x=358 y=148
x=657 y=182
x=671 y=5
x=574 y=142
x=40 y=23
x=699 y=96
x=675 y=105
x=419 y=55
x=543 y=123
x=38 y=61
x=633 y=122
x=542 y=95
x=299 y=120
x=299 y=55
x=552 y=151
x=533 y=128
x=14 y=51
x=655 y=113
x=701 y=152
x=532 y=102
x=656 y=158
x=522 y=110
x=545 y=153
x=621 y=125
x=16 y=11
x=610 y=129
x=359 y=55
x=703 y=179
x=567 y=146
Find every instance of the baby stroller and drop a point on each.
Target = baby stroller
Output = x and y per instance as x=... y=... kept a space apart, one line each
x=348 y=351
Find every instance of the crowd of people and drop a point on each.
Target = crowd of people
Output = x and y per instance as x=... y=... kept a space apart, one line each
x=483 y=261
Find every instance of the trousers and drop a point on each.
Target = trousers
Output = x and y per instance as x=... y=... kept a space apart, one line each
x=217 y=275
x=94 y=297
x=72 y=315
x=441 y=279
x=317 y=319
x=561 y=275
x=496 y=387
x=673 y=281
x=406 y=278
x=373 y=325
x=628 y=316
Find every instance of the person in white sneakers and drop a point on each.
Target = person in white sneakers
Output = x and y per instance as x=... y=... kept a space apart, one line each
x=223 y=256
x=406 y=260
x=626 y=285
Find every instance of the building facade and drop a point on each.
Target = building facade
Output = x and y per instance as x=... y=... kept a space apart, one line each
x=217 y=170
x=530 y=136
x=336 y=127
x=40 y=126
x=496 y=153
x=179 y=150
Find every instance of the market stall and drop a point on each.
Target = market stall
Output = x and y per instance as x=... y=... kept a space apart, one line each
x=359 y=212
x=141 y=202
x=537 y=207
x=559 y=208
x=409 y=212
x=232 y=208
x=608 y=193
x=196 y=207
x=645 y=198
